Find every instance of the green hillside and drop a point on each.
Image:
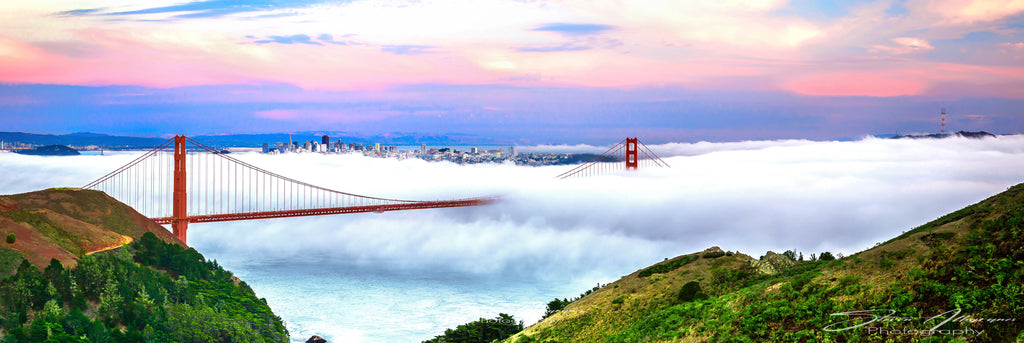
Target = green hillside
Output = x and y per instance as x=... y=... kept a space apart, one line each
x=968 y=261
x=96 y=287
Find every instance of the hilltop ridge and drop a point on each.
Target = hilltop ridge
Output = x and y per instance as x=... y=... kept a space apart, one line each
x=966 y=264
x=67 y=223
x=82 y=267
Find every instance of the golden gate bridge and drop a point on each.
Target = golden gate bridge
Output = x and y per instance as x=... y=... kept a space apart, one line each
x=208 y=185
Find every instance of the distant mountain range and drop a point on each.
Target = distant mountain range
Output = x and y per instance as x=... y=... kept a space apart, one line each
x=242 y=140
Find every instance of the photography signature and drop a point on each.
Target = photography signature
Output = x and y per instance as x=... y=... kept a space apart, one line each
x=862 y=318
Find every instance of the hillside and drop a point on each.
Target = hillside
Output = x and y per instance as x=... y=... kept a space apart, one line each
x=971 y=260
x=68 y=223
x=111 y=275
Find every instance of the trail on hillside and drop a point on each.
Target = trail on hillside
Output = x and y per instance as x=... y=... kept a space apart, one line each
x=124 y=240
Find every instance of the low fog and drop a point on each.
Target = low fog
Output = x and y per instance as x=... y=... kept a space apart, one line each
x=745 y=196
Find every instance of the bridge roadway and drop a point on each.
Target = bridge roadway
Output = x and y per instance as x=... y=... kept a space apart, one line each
x=334 y=210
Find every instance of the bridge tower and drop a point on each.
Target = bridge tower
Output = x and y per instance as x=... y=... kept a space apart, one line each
x=631 y=157
x=179 y=223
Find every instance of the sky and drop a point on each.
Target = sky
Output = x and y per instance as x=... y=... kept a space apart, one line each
x=568 y=235
x=530 y=72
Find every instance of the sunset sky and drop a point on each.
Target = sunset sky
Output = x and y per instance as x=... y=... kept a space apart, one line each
x=528 y=71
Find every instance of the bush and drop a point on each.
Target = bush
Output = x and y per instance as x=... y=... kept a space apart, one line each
x=713 y=254
x=690 y=291
x=667 y=266
x=885 y=263
x=11 y=238
x=482 y=331
x=826 y=256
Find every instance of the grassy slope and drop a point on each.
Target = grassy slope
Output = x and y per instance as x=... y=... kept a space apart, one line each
x=971 y=259
x=67 y=223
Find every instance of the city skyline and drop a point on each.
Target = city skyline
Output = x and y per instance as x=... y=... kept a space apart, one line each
x=545 y=72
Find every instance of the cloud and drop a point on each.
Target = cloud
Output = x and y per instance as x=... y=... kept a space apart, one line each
x=965 y=12
x=905 y=45
x=293 y=39
x=570 y=29
x=748 y=196
x=217 y=8
x=875 y=84
x=407 y=49
x=672 y=149
x=756 y=46
x=327 y=38
x=79 y=12
x=1012 y=47
x=553 y=48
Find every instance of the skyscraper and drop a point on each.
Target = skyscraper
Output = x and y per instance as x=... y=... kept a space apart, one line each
x=325 y=140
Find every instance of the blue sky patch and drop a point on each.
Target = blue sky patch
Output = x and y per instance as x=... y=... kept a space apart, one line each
x=574 y=29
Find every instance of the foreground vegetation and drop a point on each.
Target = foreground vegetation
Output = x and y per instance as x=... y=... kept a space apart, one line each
x=964 y=271
x=482 y=330
x=150 y=291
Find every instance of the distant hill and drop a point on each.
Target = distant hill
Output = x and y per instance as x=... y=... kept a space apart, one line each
x=50 y=150
x=82 y=139
x=966 y=134
x=243 y=140
x=67 y=223
x=971 y=260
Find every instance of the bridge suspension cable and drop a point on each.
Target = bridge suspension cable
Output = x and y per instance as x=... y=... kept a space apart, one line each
x=183 y=181
x=627 y=154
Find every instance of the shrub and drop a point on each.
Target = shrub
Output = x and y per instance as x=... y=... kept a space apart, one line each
x=667 y=266
x=826 y=256
x=713 y=254
x=11 y=238
x=885 y=263
x=619 y=300
x=689 y=292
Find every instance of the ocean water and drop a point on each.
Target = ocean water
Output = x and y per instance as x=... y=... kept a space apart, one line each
x=348 y=302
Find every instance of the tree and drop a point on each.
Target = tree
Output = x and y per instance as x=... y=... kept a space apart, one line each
x=791 y=254
x=11 y=238
x=826 y=256
x=554 y=306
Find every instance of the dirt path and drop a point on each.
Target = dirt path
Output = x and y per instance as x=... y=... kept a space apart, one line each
x=124 y=240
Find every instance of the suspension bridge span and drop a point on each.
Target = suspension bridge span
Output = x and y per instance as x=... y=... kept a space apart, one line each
x=627 y=154
x=207 y=185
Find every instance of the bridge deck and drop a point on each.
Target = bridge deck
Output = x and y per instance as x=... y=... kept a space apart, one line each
x=332 y=210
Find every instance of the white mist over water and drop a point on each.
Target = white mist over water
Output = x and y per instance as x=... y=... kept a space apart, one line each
x=406 y=276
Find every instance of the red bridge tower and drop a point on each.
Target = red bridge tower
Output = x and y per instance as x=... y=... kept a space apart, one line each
x=179 y=223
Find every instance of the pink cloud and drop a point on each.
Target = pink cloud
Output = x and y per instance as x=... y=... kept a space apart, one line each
x=326 y=116
x=278 y=114
x=876 y=84
x=904 y=45
x=960 y=12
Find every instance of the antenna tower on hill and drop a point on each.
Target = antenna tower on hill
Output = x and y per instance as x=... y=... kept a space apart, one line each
x=943 y=120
